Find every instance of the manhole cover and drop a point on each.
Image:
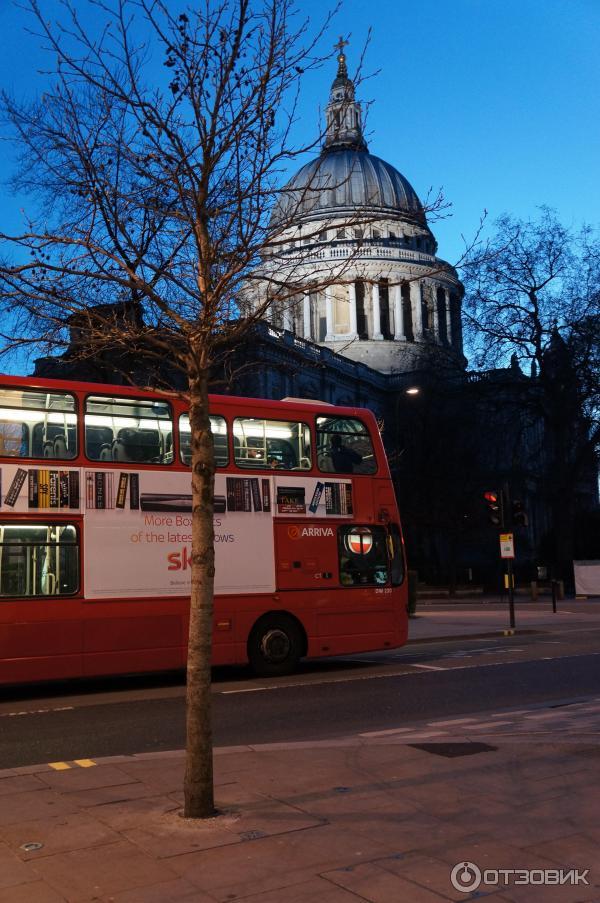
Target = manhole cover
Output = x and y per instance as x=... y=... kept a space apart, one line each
x=454 y=750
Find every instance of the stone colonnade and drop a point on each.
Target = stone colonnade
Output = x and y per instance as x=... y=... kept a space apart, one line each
x=425 y=308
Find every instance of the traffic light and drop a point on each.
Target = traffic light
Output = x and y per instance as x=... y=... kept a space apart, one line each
x=519 y=515
x=495 y=508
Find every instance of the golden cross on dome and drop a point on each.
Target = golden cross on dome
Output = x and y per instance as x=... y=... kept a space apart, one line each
x=340 y=45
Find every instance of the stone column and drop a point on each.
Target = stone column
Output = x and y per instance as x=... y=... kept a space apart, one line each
x=352 y=300
x=376 y=312
x=287 y=316
x=435 y=312
x=448 y=315
x=398 y=313
x=306 y=315
x=329 y=313
x=417 y=313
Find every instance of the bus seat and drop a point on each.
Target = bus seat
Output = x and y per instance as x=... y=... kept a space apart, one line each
x=325 y=463
x=118 y=451
x=221 y=452
x=168 y=454
x=60 y=447
x=96 y=437
x=185 y=447
x=136 y=445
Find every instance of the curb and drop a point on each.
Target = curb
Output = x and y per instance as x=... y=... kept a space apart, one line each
x=501 y=632
x=345 y=741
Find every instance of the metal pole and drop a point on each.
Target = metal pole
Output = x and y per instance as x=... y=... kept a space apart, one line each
x=507 y=525
x=553 y=584
x=511 y=593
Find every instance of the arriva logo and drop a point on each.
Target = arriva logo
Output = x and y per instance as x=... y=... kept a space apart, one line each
x=302 y=532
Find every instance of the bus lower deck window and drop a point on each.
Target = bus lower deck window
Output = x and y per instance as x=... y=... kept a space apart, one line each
x=38 y=559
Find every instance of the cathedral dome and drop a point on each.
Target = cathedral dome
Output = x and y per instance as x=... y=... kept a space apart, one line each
x=346 y=181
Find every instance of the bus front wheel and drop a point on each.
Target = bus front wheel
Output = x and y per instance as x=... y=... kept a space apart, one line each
x=275 y=646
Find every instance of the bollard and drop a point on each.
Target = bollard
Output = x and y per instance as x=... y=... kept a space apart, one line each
x=534 y=591
x=413 y=579
x=554 y=593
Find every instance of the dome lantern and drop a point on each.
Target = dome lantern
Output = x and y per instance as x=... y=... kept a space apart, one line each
x=343 y=112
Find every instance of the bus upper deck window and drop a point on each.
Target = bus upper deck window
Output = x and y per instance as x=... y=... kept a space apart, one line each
x=137 y=430
x=344 y=446
x=37 y=424
x=218 y=428
x=271 y=444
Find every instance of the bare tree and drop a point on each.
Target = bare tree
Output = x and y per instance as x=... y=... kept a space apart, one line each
x=533 y=294
x=156 y=153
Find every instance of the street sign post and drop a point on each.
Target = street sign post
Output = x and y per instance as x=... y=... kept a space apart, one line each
x=507 y=553
x=507 y=545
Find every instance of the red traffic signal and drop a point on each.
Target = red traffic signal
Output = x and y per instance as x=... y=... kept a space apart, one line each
x=493 y=500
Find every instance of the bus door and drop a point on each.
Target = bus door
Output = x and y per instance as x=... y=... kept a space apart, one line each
x=40 y=623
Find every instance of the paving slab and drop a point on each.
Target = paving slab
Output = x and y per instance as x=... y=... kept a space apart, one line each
x=13 y=872
x=59 y=834
x=131 y=813
x=83 y=876
x=268 y=864
x=378 y=885
x=426 y=871
x=20 y=784
x=178 y=890
x=153 y=772
x=570 y=851
x=71 y=780
x=31 y=892
x=315 y=890
x=114 y=793
x=34 y=804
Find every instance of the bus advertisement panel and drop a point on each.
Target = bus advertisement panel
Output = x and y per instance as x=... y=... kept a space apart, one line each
x=138 y=525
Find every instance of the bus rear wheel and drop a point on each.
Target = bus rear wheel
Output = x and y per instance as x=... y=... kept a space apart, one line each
x=275 y=646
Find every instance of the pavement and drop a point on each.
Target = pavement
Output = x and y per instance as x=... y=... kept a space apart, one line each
x=441 y=619
x=382 y=816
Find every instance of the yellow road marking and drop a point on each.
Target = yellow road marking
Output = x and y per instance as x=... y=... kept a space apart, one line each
x=59 y=766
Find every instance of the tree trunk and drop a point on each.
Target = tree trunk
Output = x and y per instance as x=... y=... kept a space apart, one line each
x=198 y=781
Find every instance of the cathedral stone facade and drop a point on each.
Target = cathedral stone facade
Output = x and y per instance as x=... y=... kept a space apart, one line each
x=353 y=238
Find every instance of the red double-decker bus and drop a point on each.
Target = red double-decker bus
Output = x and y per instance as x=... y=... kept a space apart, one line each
x=95 y=532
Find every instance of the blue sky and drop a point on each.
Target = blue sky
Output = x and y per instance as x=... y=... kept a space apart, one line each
x=496 y=101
